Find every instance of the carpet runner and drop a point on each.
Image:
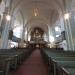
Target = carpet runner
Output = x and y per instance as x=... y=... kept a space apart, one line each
x=34 y=65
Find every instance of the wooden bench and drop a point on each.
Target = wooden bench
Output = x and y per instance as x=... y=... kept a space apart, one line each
x=60 y=62
x=11 y=58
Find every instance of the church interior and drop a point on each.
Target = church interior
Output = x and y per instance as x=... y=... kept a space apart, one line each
x=37 y=37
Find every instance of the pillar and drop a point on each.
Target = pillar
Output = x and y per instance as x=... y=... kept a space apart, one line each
x=5 y=26
x=27 y=34
x=48 y=34
x=5 y=31
x=67 y=25
x=23 y=34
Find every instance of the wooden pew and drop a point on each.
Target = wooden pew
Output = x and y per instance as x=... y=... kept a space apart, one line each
x=57 y=59
x=11 y=58
x=67 y=64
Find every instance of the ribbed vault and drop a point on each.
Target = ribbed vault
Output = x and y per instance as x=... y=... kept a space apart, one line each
x=48 y=12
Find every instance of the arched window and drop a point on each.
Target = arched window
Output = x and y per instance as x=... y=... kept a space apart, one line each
x=17 y=31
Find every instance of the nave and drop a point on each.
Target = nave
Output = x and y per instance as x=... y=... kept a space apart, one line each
x=37 y=37
x=37 y=61
x=34 y=65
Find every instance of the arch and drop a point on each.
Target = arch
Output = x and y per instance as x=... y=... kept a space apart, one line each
x=40 y=19
x=19 y=3
x=19 y=14
x=18 y=18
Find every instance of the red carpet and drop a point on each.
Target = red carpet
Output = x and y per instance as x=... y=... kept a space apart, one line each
x=33 y=65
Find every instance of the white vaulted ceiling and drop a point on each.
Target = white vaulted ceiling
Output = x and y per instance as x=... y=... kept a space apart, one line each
x=48 y=10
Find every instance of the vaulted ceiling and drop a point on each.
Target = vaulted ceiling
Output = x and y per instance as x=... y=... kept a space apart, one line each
x=47 y=11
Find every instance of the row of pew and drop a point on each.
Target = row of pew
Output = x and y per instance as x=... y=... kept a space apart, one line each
x=10 y=59
x=59 y=62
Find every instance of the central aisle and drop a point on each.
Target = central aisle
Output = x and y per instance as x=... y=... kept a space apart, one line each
x=34 y=65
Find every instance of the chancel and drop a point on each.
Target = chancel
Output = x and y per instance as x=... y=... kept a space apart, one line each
x=37 y=37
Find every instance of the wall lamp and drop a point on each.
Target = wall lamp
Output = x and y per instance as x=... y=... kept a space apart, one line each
x=8 y=17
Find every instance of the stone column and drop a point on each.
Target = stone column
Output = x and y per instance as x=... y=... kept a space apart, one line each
x=67 y=36
x=49 y=34
x=5 y=31
x=27 y=34
x=67 y=25
x=5 y=26
x=23 y=34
